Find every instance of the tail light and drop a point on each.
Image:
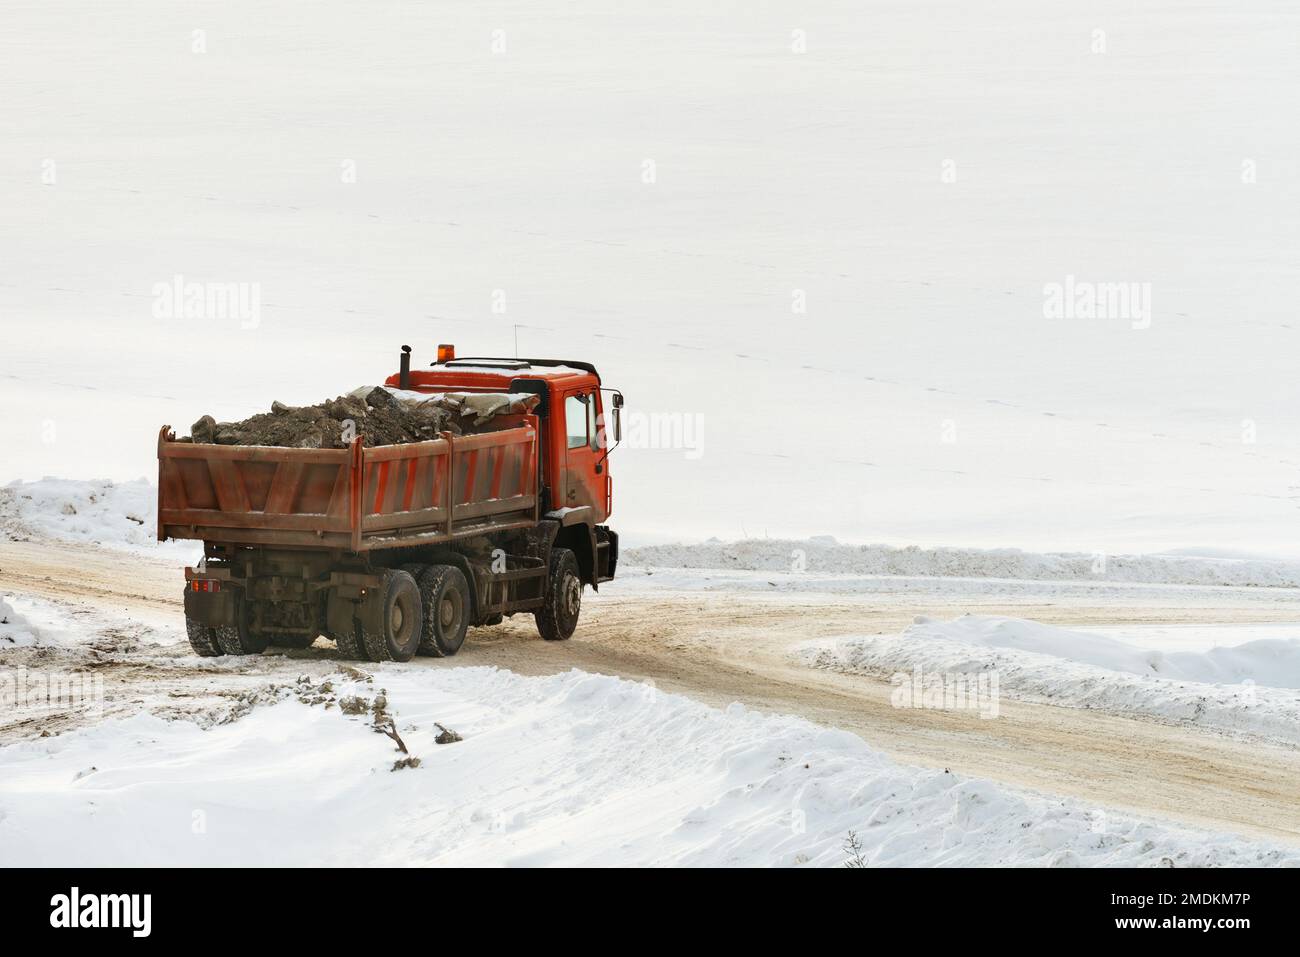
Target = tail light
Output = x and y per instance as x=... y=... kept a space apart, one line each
x=205 y=584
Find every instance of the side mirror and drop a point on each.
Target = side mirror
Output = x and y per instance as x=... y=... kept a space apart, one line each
x=618 y=420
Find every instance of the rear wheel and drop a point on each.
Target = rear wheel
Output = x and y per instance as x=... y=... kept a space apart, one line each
x=445 y=601
x=558 y=617
x=401 y=620
x=242 y=639
x=203 y=638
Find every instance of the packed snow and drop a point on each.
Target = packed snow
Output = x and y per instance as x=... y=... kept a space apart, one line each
x=1250 y=687
x=545 y=774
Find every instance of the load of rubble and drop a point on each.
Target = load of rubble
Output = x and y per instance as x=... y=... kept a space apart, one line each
x=382 y=416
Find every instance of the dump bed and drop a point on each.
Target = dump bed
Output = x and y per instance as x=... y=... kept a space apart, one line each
x=356 y=498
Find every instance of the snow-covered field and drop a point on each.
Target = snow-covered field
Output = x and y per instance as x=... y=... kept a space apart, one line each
x=811 y=243
x=571 y=769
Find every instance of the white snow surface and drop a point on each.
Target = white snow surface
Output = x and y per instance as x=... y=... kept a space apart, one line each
x=568 y=769
x=1250 y=687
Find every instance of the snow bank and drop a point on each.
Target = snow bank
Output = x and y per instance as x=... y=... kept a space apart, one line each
x=822 y=556
x=1250 y=687
x=1274 y=662
x=15 y=630
x=123 y=515
x=115 y=514
x=573 y=769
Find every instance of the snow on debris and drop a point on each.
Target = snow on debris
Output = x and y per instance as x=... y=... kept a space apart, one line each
x=823 y=556
x=113 y=514
x=535 y=771
x=15 y=629
x=1251 y=687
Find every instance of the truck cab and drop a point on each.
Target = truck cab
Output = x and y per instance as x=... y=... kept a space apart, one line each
x=577 y=434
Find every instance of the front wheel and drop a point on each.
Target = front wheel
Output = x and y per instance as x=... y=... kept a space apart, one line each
x=558 y=617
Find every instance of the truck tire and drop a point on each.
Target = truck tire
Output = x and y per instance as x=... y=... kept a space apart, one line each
x=401 y=620
x=241 y=639
x=444 y=599
x=203 y=639
x=558 y=617
x=351 y=645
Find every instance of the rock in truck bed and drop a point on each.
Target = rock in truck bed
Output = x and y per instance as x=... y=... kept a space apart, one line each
x=383 y=416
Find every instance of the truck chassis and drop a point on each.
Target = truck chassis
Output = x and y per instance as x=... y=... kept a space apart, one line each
x=386 y=605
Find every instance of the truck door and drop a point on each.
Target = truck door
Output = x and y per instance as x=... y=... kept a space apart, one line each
x=583 y=486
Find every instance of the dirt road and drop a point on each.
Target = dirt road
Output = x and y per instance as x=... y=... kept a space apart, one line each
x=731 y=645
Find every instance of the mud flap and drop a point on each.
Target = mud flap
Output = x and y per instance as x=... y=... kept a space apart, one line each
x=212 y=608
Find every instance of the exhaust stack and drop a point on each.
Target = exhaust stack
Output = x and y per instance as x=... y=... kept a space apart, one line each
x=404 y=375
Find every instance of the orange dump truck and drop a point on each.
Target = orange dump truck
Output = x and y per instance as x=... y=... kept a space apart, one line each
x=395 y=550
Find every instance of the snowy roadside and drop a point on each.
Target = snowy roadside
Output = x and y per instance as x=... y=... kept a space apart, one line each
x=1251 y=687
x=567 y=769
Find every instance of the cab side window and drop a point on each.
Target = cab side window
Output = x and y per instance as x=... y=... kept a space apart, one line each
x=578 y=409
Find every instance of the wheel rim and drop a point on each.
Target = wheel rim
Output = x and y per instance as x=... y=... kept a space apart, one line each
x=396 y=618
x=449 y=610
x=572 y=595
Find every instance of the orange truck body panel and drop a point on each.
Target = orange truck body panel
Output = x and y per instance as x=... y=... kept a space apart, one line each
x=353 y=499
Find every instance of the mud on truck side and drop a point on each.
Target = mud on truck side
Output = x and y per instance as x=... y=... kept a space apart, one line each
x=395 y=550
